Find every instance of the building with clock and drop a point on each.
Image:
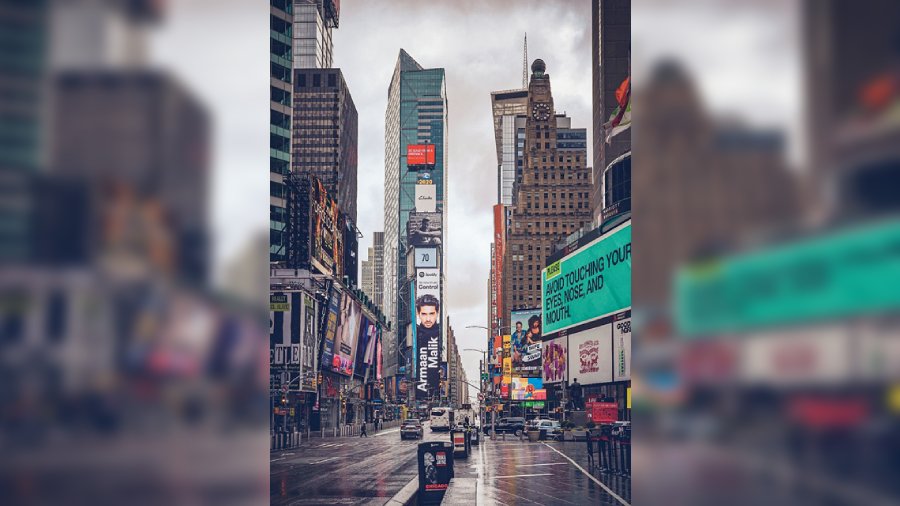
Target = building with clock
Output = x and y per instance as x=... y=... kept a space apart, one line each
x=552 y=195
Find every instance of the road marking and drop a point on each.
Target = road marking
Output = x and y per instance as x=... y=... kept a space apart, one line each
x=521 y=475
x=549 y=464
x=276 y=460
x=325 y=460
x=589 y=475
x=391 y=431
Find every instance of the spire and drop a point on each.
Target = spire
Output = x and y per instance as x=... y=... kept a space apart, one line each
x=525 y=64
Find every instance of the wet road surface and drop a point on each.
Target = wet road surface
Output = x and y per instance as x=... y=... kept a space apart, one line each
x=350 y=470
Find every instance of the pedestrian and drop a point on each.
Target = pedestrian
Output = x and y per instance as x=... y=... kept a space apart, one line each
x=362 y=430
x=590 y=447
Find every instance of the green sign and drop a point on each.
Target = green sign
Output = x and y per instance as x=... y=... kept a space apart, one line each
x=534 y=404
x=592 y=282
x=279 y=302
x=848 y=273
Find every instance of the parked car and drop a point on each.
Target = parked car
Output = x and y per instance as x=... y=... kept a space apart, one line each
x=411 y=428
x=508 y=425
x=549 y=429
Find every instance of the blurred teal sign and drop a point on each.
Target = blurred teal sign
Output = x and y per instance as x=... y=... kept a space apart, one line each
x=592 y=282
x=849 y=273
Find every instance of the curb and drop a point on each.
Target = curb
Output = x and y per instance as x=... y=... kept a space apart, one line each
x=406 y=495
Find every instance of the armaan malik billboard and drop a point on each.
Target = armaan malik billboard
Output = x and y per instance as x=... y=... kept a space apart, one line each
x=592 y=282
x=426 y=339
x=525 y=342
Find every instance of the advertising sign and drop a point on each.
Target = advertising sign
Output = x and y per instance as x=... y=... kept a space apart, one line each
x=497 y=260
x=425 y=257
x=435 y=460
x=592 y=282
x=426 y=198
x=285 y=356
x=622 y=349
x=424 y=229
x=329 y=328
x=527 y=389
x=347 y=333
x=526 y=342
x=365 y=347
x=590 y=355
x=419 y=154
x=279 y=302
x=602 y=412
x=507 y=368
x=428 y=282
x=427 y=333
x=324 y=231
x=555 y=360
x=309 y=341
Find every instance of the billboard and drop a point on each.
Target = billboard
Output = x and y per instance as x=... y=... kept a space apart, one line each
x=554 y=360
x=527 y=389
x=497 y=262
x=506 y=379
x=419 y=154
x=426 y=198
x=329 y=327
x=365 y=349
x=346 y=337
x=424 y=229
x=590 y=355
x=526 y=342
x=621 y=337
x=425 y=257
x=592 y=282
x=427 y=334
x=428 y=282
x=325 y=240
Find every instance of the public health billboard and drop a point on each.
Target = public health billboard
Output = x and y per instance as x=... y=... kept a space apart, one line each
x=525 y=342
x=554 y=360
x=592 y=282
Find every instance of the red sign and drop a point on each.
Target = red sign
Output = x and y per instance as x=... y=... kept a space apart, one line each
x=420 y=154
x=499 y=246
x=602 y=412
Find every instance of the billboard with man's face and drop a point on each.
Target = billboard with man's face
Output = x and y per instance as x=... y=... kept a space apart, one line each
x=424 y=229
x=427 y=332
x=525 y=343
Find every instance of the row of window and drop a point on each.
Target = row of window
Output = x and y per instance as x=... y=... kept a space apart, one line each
x=316 y=80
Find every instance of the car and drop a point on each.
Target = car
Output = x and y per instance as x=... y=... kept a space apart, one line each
x=411 y=428
x=548 y=428
x=509 y=425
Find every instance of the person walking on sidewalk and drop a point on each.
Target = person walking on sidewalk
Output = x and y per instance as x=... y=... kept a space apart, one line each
x=362 y=430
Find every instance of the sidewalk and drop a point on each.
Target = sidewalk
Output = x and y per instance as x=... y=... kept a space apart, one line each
x=281 y=441
x=577 y=451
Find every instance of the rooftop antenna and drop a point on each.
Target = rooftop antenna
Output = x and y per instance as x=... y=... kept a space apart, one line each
x=525 y=63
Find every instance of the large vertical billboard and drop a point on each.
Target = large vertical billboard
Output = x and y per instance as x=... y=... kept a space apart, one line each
x=497 y=261
x=555 y=360
x=507 y=367
x=525 y=342
x=346 y=336
x=424 y=229
x=426 y=198
x=325 y=241
x=365 y=349
x=329 y=326
x=592 y=282
x=621 y=348
x=427 y=332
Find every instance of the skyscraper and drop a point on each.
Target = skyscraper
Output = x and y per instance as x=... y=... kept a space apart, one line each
x=313 y=22
x=367 y=276
x=552 y=199
x=280 y=65
x=324 y=133
x=506 y=107
x=416 y=114
x=378 y=268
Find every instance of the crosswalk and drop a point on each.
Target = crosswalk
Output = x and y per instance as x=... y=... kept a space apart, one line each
x=330 y=445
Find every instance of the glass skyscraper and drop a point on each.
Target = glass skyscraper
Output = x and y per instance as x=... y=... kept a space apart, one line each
x=313 y=21
x=416 y=114
x=280 y=65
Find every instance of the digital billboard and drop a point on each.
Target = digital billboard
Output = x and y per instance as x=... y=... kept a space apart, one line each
x=329 y=329
x=428 y=282
x=507 y=368
x=347 y=333
x=527 y=389
x=419 y=154
x=425 y=257
x=621 y=336
x=526 y=342
x=424 y=229
x=497 y=262
x=554 y=360
x=592 y=282
x=365 y=349
x=590 y=355
x=427 y=338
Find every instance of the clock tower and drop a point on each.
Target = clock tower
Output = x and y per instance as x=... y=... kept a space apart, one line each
x=552 y=195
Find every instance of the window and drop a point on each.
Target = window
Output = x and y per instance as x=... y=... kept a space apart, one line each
x=301 y=80
x=332 y=80
x=317 y=80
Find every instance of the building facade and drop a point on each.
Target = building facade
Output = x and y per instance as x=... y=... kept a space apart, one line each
x=416 y=114
x=507 y=107
x=367 y=274
x=280 y=76
x=312 y=41
x=378 y=268
x=324 y=133
x=552 y=199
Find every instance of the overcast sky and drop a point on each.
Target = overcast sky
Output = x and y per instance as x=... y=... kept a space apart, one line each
x=743 y=55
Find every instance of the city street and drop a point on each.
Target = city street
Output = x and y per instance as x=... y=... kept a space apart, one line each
x=371 y=470
x=347 y=470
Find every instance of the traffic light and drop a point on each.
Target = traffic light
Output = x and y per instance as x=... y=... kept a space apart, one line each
x=283 y=400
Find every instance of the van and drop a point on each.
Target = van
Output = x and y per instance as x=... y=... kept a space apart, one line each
x=441 y=419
